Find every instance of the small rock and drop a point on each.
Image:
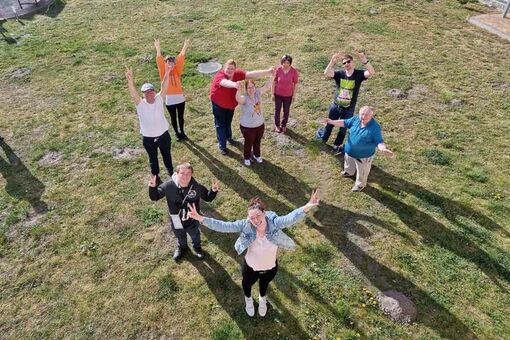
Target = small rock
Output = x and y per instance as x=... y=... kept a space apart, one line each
x=373 y=11
x=20 y=72
x=51 y=158
x=397 y=94
x=126 y=153
x=455 y=103
x=397 y=306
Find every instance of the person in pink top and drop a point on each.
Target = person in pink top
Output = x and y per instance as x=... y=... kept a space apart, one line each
x=284 y=86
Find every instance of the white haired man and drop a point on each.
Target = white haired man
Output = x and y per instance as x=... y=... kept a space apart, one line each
x=364 y=138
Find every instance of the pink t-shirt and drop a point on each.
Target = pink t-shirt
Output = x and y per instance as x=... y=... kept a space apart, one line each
x=223 y=96
x=284 y=82
x=261 y=254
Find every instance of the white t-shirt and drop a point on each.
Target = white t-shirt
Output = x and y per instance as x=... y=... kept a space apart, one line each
x=152 y=117
x=261 y=254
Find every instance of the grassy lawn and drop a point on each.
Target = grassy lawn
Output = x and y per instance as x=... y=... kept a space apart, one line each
x=85 y=254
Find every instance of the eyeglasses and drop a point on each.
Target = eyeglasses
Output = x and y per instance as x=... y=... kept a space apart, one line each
x=346 y=62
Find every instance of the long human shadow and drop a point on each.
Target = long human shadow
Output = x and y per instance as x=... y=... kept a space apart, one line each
x=230 y=295
x=434 y=232
x=336 y=224
x=21 y=184
x=229 y=177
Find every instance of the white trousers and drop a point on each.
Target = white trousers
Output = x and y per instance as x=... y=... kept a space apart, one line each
x=360 y=166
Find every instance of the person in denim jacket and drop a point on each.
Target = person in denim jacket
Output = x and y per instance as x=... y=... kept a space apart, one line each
x=261 y=235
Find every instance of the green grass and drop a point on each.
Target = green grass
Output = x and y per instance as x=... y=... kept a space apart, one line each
x=433 y=222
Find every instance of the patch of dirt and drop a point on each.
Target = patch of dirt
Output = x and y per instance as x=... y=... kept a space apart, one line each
x=418 y=91
x=51 y=158
x=397 y=93
x=20 y=72
x=455 y=103
x=127 y=153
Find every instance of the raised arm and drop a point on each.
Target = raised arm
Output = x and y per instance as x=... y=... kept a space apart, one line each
x=370 y=71
x=268 y=85
x=185 y=47
x=334 y=59
x=229 y=84
x=259 y=73
x=214 y=224
x=131 y=85
x=164 y=82
x=241 y=99
x=155 y=192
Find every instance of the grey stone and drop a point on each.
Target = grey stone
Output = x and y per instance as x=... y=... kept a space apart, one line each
x=126 y=153
x=397 y=306
x=455 y=103
x=373 y=11
x=397 y=94
x=51 y=158
x=20 y=72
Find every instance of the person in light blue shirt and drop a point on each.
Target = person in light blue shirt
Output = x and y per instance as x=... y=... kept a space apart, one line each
x=364 y=138
x=260 y=235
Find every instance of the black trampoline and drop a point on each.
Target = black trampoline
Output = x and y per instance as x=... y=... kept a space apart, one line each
x=19 y=8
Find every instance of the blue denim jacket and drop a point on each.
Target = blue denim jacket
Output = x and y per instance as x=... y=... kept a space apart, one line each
x=274 y=232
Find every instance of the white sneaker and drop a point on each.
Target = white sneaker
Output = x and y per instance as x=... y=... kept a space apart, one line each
x=258 y=159
x=247 y=162
x=250 y=308
x=262 y=306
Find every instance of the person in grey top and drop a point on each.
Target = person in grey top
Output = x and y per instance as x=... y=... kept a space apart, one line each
x=252 y=119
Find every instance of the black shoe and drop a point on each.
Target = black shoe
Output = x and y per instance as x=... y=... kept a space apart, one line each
x=345 y=174
x=199 y=253
x=179 y=137
x=158 y=181
x=223 y=152
x=183 y=136
x=231 y=141
x=178 y=253
x=1 y=139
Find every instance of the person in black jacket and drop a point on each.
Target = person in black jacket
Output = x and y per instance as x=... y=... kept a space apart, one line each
x=179 y=191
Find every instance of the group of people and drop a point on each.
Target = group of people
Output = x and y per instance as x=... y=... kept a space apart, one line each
x=261 y=232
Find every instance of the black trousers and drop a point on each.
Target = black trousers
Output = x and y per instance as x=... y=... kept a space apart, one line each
x=177 y=116
x=251 y=276
x=193 y=231
x=164 y=144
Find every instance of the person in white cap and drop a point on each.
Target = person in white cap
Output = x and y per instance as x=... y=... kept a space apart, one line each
x=153 y=124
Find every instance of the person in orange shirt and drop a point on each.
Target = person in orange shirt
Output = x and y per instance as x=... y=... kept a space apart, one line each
x=175 y=100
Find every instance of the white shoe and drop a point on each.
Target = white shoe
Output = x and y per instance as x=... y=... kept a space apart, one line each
x=262 y=306
x=247 y=162
x=258 y=159
x=250 y=308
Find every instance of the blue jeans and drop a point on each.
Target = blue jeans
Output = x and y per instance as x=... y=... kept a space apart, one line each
x=337 y=112
x=223 y=124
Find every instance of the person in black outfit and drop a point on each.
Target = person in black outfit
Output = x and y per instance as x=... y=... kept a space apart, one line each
x=179 y=191
x=348 y=82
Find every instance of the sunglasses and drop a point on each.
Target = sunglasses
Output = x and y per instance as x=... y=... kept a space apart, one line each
x=346 y=62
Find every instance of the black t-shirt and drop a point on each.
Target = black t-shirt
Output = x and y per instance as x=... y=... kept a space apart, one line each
x=347 y=88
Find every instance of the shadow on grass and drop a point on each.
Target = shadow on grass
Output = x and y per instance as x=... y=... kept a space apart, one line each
x=21 y=184
x=335 y=224
x=434 y=232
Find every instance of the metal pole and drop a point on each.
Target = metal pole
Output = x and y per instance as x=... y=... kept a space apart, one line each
x=507 y=8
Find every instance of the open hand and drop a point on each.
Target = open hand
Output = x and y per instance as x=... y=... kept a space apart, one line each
x=388 y=152
x=129 y=73
x=361 y=55
x=157 y=46
x=313 y=202
x=192 y=213
x=215 y=185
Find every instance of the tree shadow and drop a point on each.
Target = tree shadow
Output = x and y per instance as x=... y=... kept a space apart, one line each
x=21 y=184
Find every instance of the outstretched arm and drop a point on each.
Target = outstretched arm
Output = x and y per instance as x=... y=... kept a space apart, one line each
x=131 y=85
x=334 y=59
x=259 y=73
x=214 y=224
x=268 y=85
x=298 y=214
x=339 y=122
x=387 y=152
